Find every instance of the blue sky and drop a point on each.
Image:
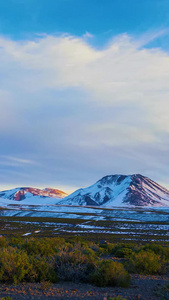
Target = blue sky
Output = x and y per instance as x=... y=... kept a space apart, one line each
x=83 y=91
x=22 y=19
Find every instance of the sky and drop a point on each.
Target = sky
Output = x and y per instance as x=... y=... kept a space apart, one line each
x=84 y=91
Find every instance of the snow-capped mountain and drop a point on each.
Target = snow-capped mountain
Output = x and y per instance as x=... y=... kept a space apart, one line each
x=23 y=193
x=110 y=191
x=120 y=190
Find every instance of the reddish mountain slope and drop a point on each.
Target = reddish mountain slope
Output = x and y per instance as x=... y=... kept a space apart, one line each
x=19 y=194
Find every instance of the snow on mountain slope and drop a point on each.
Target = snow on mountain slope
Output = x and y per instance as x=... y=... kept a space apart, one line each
x=32 y=195
x=30 y=200
x=120 y=190
x=110 y=191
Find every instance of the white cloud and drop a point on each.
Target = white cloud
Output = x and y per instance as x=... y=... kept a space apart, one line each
x=61 y=96
x=120 y=72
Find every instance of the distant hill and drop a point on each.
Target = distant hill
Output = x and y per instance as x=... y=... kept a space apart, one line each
x=29 y=193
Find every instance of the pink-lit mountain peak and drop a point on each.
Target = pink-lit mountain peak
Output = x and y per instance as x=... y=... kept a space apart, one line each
x=19 y=194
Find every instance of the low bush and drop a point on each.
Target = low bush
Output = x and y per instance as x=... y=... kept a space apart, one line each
x=145 y=262
x=3 y=242
x=16 y=241
x=42 y=270
x=73 y=266
x=110 y=273
x=43 y=247
x=14 y=266
x=122 y=250
x=74 y=259
x=157 y=249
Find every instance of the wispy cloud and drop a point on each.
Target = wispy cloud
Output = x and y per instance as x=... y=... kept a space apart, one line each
x=88 y=35
x=9 y=160
x=150 y=36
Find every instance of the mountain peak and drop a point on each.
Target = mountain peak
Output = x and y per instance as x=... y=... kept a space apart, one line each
x=120 y=190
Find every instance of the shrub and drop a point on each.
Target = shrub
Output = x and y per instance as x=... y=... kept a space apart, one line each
x=88 y=252
x=14 y=266
x=157 y=249
x=43 y=247
x=3 y=242
x=74 y=239
x=74 y=266
x=42 y=270
x=100 y=251
x=145 y=262
x=110 y=273
x=16 y=241
x=122 y=250
x=110 y=247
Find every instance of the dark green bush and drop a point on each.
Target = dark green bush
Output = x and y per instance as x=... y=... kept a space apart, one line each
x=122 y=250
x=74 y=266
x=110 y=273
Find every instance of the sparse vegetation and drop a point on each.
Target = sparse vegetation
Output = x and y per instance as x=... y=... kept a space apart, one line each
x=162 y=292
x=117 y=298
x=49 y=260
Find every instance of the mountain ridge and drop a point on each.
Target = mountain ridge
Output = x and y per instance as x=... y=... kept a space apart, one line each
x=109 y=191
x=21 y=193
x=120 y=190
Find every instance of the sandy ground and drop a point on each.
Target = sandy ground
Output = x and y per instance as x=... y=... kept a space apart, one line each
x=142 y=287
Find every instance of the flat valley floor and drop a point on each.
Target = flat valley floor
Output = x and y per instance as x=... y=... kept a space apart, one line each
x=124 y=224
x=114 y=225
